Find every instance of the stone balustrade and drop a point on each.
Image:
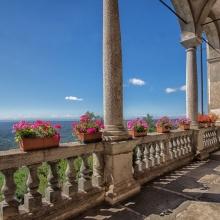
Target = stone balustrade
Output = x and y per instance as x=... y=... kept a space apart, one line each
x=59 y=201
x=155 y=155
x=207 y=140
x=119 y=168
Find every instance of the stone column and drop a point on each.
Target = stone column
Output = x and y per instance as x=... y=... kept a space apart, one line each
x=191 y=81
x=112 y=74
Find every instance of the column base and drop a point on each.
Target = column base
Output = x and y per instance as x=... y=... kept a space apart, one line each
x=194 y=125
x=120 y=192
x=119 y=135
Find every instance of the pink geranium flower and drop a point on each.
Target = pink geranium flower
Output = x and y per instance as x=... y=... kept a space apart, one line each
x=86 y=125
x=138 y=125
x=39 y=128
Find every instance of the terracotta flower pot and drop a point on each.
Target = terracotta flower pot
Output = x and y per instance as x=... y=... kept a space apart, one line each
x=91 y=137
x=184 y=127
x=27 y=144
x=163 y=130
x=205 y=125
x=50 y=142
x=135 y=133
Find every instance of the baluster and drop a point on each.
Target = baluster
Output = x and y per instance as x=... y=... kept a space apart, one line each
x=152 y=157
x=70 y=187
x=139 y=158
x=9 y=206
x=157 y=153
x=189 y=144
x=53 y=191
x=186 y=147
x=33 y=198
x=208 y=138
x=134 y=158
x=167 y=149
x=97 y=177
x=178 y=147
x=205 y=140
x=84 y=181
x=147 y=160
x=182 y=146
x=211 y=137
x=171 y=150
x=215 y=137
x=162 y=152
x=138 y=163
x=174 y=148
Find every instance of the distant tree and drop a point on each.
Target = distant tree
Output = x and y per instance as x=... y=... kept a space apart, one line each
x=95 y=117
x=151 y=123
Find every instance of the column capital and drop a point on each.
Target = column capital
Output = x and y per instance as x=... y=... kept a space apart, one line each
x=191 y=42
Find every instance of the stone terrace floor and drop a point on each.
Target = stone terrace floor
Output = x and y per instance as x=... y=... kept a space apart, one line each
x=189 y=193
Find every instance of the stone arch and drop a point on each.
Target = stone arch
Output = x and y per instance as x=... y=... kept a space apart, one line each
x=194 y=13
x=184 y=10
x=212 y=33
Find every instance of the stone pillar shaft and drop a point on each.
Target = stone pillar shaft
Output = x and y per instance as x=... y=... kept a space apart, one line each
x=191 y=80
x=191 y=86
x=112 y=73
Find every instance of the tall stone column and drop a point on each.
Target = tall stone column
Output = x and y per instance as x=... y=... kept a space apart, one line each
x=112 y=73
x=191 y=81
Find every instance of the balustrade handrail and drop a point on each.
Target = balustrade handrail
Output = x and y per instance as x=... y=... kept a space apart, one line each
x=154 y=136
x=17 y=158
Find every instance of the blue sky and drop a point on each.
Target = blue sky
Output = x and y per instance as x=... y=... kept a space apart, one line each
x=51 y=59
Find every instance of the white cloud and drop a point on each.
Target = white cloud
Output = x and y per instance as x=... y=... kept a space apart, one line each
x=169 y=90
x=73 y=98
x=138 y=82
x=183 y=88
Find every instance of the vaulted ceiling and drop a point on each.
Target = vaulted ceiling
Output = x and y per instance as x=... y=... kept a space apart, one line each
x=199 y=16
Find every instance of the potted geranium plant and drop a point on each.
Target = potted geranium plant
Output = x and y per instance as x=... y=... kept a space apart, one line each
x=164 y=124
x=88 y=130
x=183 y=123
x=36 y=135
x=204 y=120
x=214 y=117
x=137 y=127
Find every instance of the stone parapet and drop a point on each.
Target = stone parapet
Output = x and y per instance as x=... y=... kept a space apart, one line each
x=119 y=169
